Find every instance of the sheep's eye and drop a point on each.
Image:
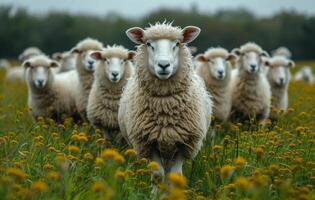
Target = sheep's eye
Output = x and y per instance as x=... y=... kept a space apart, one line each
x=150 y=45
x=177 y=44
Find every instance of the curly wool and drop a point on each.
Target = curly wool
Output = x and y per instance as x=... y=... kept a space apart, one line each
x=282 y=51
x=162 y=31
x=251 y=47
x=218 y=88
x=170 y=115
x=103 y=103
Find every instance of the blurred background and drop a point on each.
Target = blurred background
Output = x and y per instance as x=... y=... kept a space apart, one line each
x=58 y=25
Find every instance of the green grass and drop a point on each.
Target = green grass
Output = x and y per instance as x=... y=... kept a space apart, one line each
x=38 y=161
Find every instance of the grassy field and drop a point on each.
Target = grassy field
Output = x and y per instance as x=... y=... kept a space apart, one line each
x=49 y=161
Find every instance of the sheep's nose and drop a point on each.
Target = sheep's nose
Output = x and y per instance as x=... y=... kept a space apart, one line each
x=90 y=62
x=40 y=82
x=253 y=66
x=221 y=72
x=164 y=65
x=115 y=74
x=281 y=80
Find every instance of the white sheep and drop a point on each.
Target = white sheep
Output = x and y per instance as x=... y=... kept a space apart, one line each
x=66 y=60
x=110 y=76
x=249 y=86
x=279 y=78
x=165 y=110
x=282 y=51
x=215 y=69
x=85 y=66
x=17 y=73
x=305 y=74
x=49 y=95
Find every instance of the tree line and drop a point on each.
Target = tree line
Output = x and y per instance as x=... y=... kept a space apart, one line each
x=58 y=31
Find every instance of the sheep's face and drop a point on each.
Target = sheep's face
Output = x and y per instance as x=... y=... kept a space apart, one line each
x=113 y=67
x=163 y=52
x=65 y=59
x=279 y=75
x=163 y=57
x=252 y=62
x=84 y=57
x=218 y=66
x=39 y=74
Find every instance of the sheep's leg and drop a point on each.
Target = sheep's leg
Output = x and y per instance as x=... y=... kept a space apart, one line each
x=159 y=175
x=177 y=164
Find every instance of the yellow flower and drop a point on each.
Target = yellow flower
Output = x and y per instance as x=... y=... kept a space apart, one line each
x=98 y=187
x=48 y=166
x=100 y=141
x=120 y=174
x=259 y=152
x=83 y=138
x=240 y=162
x=154 y=166
x=130 y=153
x=40 y=186
x=53 y=175
x=75 y=137
x=113 y=154
x=226 y=171
x=99 y=161
x=177 y=180
x=119 y=159
x=88 y=156
x=73 y=148
x=17 y=173
x=242 y=183
x=217 y=148
x=177 y=194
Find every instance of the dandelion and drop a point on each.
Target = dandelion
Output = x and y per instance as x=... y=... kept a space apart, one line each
x=113 y=154
x=53 y=175
x=177 y=180
x=259 y=152
x=73 y=148
x=75 y=137
x=98 y=187
x=40 y=186
x=17 y=173
x=88 y=156
x=120 y=174
x=242 y=183
x=154 y=166
x=99 y=161
x=130 y=153
x=217 y=148
x=240 y=162
x=226 y=171
x=177 y=194
x=48 y=166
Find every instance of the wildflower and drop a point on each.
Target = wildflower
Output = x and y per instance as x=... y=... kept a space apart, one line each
x=120 y=174
x=17 y=173
x=60 y=158
x=119 y=159
x=154 y=166
x=100 y=141
x=259 y=152
x=83 y=138
x=53 y=175
x=113 y=154
x=217 y=148
x=14 y=142
x=130 y=153
x=48 y=166
x=88 y=156
x=226 y=171
x=40 y=186
x=240 y=162
x=177 y=194
x=298 y=160
x=99 y=161
x=242 y=183
x=73 y=148
x=55 y=135
x=177 y=180
x=75 y=137
x=98 y=187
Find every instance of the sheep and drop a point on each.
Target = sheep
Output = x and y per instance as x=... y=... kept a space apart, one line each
x=17 y=73
x=282 y=51
x=110 y=76
x=49 y=95
x=305 y=74
x=85 y=66
x=66 y=60
x=249 y=85
x=215 y=69
x=279 y=78
x=165 y=110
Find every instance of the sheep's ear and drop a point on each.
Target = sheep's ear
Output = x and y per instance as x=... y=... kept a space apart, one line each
x=96 y=55
x=265 y=54
x=135 y=34
x=190 y=33
x=291 y=64
x=27 y=64
x=231 y=57
x=57 y=56
x=201 y=58
x=193 y=49
x=131 y=55
x=236 y=51
x=54 y=64
x=75 y=51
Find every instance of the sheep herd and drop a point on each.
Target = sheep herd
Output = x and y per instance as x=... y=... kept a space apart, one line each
x=160 y=100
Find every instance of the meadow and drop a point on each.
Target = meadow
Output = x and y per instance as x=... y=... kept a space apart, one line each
x=68 y=161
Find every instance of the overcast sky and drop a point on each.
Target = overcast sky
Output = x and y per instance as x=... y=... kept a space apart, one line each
x=138 y=8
